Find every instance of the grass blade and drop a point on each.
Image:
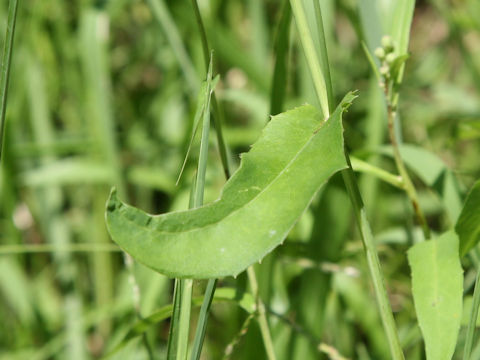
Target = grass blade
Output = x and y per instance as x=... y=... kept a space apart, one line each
x=310 y=53
x=178 y=345
x=473 y=319
x=203 y=319
x=280 y=71
x=217 y=110
x=468 y=224
x=5 y=70
x=161 y=13
x=320 y=82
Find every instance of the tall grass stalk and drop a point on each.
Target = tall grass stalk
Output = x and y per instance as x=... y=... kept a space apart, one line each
x=183 y=293
x=5 y=69
x=280 y=71
x=212 y=283
x=467 y=351
x=262 y=317
x=218 y=118
x=162 y=15
x=321 y=79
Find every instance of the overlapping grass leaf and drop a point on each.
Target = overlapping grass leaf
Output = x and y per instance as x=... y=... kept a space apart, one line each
x=468 y=224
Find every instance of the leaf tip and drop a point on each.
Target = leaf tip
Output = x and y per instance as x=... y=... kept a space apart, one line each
x=112 y=200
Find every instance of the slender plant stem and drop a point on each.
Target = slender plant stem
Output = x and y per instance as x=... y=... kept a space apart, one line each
x=172 y=343
x=473 y=317
x=236 y=340
x=367 y=168
x=203 y=33
x=51 y=248
x=128 y=261
x=349 y=178
x=262 y=317
x=183 y=297
x=203 y=319
x=407 y=182
x=373 y=263
x=311 y=55
x=280 y=72
x=212 y=283
x=161 y=13
x=186 y=286
x=218 y=117
x=5 y=70
x=325 y=65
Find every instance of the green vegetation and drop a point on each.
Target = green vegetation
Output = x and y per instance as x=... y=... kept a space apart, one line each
x=297 y=225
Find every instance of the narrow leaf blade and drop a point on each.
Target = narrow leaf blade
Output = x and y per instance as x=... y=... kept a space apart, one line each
x=468 y=224
x=437 y=285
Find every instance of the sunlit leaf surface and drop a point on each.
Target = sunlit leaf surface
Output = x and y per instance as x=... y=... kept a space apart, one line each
x=437 y=282
x=274 y=185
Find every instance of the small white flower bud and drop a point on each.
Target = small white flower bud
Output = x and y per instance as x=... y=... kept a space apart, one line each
x=380 y=53
x=387 y=44
x=390 y=58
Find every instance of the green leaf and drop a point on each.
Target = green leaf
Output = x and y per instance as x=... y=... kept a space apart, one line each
x=468 y=224
x=259 y=205
x=437 y=284
x=401 y=12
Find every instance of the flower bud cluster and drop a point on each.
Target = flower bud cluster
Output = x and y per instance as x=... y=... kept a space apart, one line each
x=386 y=55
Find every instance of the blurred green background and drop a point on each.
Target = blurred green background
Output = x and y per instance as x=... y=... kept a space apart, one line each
x=103 y=93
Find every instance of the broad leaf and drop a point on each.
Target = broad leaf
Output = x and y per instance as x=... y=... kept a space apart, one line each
x=275 y=183
x=437 y=284
x=468 y=225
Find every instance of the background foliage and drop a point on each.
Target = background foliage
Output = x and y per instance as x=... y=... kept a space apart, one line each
x=104 y=93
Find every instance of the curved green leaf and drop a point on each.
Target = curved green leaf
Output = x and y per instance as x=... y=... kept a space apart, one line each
x=468 y=224
x=259 y=205
x=437 y=284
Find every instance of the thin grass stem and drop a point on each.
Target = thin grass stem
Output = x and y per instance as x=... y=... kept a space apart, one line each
x=325 y=65
x=161 y=13
x=51 y=248
x=280 y=71
x=306 y=39
x=473 y=317
x=262 y=317
x=349 y=177
x=367 y=168
x=218 y=117
x=5 y=69
x=183 y=297
x=212 y=283
x=203 y=319
x=186 y=286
